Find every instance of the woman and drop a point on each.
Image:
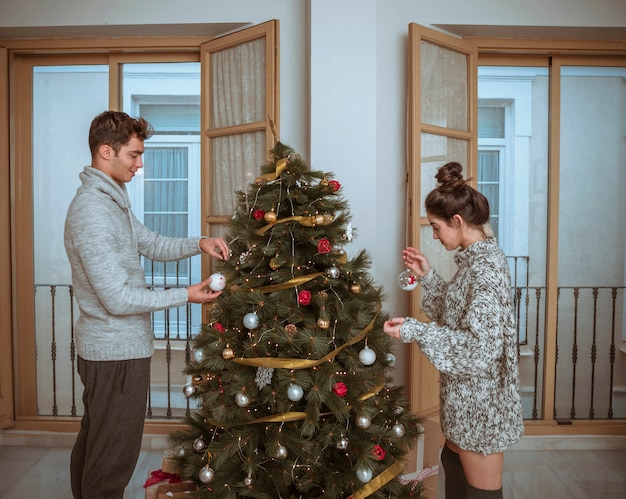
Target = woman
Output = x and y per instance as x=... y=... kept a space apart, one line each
x=471 y=340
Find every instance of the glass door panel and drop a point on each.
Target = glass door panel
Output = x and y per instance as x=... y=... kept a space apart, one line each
x=592 y=242
x=65 y=100
x=165 y=196
x=513 y=174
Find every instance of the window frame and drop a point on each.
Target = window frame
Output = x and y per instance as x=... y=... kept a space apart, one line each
x=20 y=56
x=499 y=51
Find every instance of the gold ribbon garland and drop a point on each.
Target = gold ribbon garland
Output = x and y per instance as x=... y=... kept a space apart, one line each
x=372 y=392
x=378 y=481
x=281 y=166
x=285 y=417
x=304 y=220
x=291 y=283
x=277 y=418
x=283 y=363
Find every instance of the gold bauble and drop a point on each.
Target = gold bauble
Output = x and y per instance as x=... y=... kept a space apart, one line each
x=318 y=219
x=323 y=323
x=270 y=217
x=342 y=256
x=228 y=353
x=355 y=288
x=276 y=262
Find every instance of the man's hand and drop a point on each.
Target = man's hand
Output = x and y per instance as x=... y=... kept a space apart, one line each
x=216 y=247
x=201 y=293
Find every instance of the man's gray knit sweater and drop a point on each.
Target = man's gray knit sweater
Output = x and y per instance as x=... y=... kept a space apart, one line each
x=472 y=343
x=103 y=241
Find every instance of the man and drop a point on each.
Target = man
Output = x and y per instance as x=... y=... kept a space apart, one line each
x=114 y=340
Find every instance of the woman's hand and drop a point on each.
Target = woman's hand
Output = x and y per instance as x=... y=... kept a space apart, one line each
x=216 y=247
x=416 y=261
x=392 y=327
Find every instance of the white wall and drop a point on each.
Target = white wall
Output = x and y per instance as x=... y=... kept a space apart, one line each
x=343 y=82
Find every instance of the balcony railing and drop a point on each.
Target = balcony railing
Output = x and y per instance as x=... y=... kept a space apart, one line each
x=590 y=323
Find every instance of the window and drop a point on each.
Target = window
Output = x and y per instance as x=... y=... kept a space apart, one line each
x=57 y=93
x=491 y=135
x=548 y=152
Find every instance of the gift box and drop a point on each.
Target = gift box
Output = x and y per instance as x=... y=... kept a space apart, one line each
x=175 y=490
x=169 y=464
x=160 y=483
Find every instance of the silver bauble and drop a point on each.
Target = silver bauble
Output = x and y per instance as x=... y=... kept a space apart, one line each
x=199 y=444
x=189 y=390
x=332 y=272
x=391 y=359
x=342 y=443
x=398 y=430
x=280 y=452
x=206 y=474
x=363 y=473
x=363 y=422
x=294 y=392
x=242 y=400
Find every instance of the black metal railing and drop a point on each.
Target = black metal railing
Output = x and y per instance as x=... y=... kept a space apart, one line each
x=590 y=325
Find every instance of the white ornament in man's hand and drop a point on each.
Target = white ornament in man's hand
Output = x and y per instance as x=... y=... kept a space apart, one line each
x=218 y=282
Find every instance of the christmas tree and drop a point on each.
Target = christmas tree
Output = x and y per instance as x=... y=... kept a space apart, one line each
x=291 y=372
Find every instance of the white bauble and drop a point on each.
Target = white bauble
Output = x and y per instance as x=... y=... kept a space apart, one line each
x=198 y=355
x=363 y=473
x=218 y=282
x=294 y=392
x=251 y=320
x=367 y=356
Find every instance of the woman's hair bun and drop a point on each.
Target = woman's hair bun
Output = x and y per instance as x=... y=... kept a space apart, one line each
x=450 y=175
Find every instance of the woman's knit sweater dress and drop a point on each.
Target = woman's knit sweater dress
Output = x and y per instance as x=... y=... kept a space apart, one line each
x=472 y=343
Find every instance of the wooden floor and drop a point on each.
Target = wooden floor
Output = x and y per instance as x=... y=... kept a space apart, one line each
x=43 y=473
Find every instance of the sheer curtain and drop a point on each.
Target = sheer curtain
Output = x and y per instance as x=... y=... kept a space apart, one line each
x=238 y=99
x=166 y=191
